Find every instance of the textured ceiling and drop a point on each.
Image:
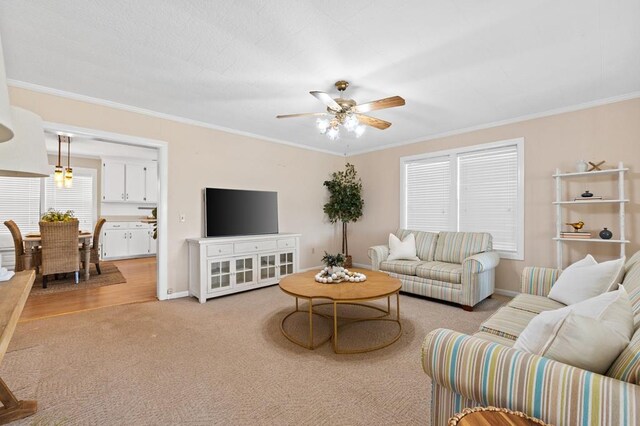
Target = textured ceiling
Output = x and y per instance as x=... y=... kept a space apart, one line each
x=237 y=64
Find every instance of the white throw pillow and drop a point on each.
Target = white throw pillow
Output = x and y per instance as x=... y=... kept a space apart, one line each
x=402 y=250
x=586 y=279
x=588 y=335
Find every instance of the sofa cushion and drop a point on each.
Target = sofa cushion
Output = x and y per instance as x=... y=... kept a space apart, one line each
x=507 y=322
x=440 y=271
x=495 y=338
x=627 y=366
x=454 y=247
x=535 y=304
x=631 y=283
x=588 y=335
x=587 y=278
x=404 y=249
x=404 y=267
x=425 y=242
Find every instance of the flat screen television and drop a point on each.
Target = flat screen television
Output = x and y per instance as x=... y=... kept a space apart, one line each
x=234 y=212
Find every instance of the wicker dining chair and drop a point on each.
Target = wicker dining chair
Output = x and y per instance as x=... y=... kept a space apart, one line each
x=59 y=249
x=17 y=243
x=95 y=248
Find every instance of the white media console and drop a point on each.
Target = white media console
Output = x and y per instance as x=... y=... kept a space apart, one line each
x=224 y=265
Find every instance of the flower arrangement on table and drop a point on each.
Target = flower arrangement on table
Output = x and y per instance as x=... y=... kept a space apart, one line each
x=333 y=272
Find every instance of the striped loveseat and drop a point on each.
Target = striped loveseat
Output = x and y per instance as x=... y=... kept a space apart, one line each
x=457 y=267
x=484 y=369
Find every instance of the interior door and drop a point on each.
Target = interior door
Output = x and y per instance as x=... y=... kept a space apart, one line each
x=135 y=183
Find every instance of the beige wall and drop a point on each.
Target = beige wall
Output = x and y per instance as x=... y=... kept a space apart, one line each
x=201 y=157
x=610 y=132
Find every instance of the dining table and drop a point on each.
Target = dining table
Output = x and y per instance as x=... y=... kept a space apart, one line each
x=34 y=240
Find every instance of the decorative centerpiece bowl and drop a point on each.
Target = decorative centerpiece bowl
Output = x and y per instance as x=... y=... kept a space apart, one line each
x=338 y=274
x=334 y=272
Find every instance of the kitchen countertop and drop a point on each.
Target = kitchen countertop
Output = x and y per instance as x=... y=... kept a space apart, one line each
x=143 y=219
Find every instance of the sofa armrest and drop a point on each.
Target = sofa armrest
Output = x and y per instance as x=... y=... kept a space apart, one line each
x=378 y=254
x=492 y=374
x=537 y=280
x=481 y=262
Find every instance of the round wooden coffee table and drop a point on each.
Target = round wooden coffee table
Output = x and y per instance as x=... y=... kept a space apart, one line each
x=377 y=286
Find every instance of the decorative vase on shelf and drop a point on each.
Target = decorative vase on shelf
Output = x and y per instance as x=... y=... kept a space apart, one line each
x=586 y=194
x=582 y=166
x=605 y=234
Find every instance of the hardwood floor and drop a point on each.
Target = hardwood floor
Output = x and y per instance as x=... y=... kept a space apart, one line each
x=140 y=287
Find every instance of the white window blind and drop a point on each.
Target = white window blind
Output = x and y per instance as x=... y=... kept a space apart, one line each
x=488 y=195
x=79 y=198
x=428 y=195
x=20 y=202
x=472 y=189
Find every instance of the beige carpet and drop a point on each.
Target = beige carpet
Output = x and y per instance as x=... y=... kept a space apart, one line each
x=224 y=362
x=110 y=275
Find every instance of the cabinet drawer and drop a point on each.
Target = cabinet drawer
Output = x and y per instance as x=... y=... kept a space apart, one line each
x=139 y=225
x=248 y=246
x=287 y=243
x=116 y=225
x=219 y=249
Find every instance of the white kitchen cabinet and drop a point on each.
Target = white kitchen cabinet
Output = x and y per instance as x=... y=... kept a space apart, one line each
x=127 y=239
x=138 y=242
x=219 y=266
x=113 y=178
x=135 y=178
x=125 y=181
x=151 y=183
x=115 y=243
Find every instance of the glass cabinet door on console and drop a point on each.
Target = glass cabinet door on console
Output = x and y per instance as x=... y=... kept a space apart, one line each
x=219 y=275
x=267 y=267
x=244 y=270
x=286 y=264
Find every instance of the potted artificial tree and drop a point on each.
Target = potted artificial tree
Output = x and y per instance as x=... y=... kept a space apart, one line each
x=345 y=202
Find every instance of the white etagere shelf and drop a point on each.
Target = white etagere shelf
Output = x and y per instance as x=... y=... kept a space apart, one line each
x=620 y=201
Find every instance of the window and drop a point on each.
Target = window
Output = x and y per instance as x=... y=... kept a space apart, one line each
x=20 y=202
x=24 y=200
x=475 y=189
x=79 y=198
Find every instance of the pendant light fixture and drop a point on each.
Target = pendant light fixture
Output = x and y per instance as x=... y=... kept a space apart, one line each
x=26 y=154
x=6 y=128
x=68 y=172
x=58 y=174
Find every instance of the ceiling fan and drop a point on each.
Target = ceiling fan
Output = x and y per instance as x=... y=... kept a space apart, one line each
x=347 y=113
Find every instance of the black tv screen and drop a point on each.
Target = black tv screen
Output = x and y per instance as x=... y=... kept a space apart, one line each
x=232 y=212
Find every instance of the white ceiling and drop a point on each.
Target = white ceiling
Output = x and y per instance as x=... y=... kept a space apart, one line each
x=237 y=64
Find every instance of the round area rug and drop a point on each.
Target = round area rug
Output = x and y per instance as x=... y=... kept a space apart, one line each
x=110 y=275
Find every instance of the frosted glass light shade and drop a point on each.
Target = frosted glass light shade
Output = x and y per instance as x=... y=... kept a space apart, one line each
x=26 y=154
x=6 y=128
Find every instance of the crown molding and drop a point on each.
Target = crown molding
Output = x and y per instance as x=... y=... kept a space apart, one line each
x=129 y=108
x=548 y=113
x=102 y=102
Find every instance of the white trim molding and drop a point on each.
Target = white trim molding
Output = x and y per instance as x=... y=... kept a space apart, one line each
x=178 y=295
x=503 y=292
x=116 y=105
x=163 y=196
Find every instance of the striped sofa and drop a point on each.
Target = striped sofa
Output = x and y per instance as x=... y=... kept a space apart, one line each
x=483 y=369
x=457 y=267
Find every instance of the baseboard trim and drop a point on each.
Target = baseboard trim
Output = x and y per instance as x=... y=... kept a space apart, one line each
x=177 y=295
x=362 y=265
x=315 y=268
x=503 y=292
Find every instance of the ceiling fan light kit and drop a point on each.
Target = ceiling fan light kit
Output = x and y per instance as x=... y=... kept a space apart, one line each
x=347 y=114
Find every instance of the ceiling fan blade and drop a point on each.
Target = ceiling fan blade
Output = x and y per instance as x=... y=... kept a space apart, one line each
x=327 y=100
x=373 y=122
x=304 y=114
x=391 y=102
